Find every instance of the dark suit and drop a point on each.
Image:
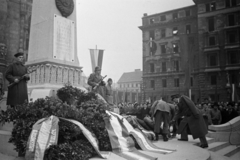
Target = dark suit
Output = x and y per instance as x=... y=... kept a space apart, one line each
x=192 y=122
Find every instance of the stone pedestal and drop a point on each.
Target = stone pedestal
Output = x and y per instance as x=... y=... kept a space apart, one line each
x=52 y=48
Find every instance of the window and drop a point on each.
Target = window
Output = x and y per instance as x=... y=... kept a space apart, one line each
x=212 y=60
x=212 y=41
x=163 y=33
x=163 y=18
x=232 y=36
x=231 y=20
x=152 y=84
x=188 y=13
x=211 y=6
x=152 y=21
x=163 y=48
x=175 y=48
x=175 y=15
x=153 y=45
x=176 y=82
x=152 y=34
x=164 y=66
x=191 y=81
x=213 y=79
x=233 y=57
x=211 y=26
x=233 y=78
x=152 y=67
x=164 y=83
x=231 y=3
x=153 y=48
x=188 y=28
x=175 y=31
x=176 y=65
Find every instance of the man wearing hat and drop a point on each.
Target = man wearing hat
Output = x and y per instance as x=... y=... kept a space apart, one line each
x=17 y=93
x=192 y=122
x=95 y=80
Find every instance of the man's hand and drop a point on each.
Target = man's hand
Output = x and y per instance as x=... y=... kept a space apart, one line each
x=16 y=80
x=26 y=76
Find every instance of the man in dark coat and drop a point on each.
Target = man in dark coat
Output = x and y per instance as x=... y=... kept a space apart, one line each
x=95 y=80
x=17 y=94
x=161 y=111
x=192 y=122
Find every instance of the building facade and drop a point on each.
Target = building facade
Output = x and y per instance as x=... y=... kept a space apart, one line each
x=219 y=49
x=15 y=17
x=170 y=49
x=130 y=81
x=193 y=51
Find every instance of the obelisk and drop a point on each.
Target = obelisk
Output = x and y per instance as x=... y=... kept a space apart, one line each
x=53 y=46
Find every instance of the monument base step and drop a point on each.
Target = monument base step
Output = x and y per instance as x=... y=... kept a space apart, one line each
x=233 y=137
x=6 y=147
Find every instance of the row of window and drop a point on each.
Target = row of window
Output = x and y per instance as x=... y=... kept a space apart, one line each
x=164 y=66
x=163 y=48
x=175 y=15
x=214 y=79
x=212 y=6
x=231 y=20
x=162 y=32
x=129 y=85
x=233 y=57
x=164 y=83
x=232 y=37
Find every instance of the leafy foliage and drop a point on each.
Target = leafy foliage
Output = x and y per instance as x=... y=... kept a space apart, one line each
x=72 y=144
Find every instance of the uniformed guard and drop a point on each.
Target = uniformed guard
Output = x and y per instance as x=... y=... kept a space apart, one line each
x=95 y=80
x=17 y=75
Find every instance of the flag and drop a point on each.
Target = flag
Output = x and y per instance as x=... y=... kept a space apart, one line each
x=96 y=58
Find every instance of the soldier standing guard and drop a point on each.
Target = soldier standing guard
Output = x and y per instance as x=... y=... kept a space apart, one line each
x=95 y=80
x=17 y=93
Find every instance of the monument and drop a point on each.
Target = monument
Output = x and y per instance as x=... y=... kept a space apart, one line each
x=53 y=47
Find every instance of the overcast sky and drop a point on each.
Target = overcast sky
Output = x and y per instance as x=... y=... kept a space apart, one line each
x=112 y=25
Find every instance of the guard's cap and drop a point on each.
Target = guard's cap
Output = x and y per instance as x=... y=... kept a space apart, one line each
x=175 y=96
x=97 y=68
x=18 y=54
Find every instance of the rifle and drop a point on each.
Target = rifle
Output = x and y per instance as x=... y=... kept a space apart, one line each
x=95 y=87
x=21 y=78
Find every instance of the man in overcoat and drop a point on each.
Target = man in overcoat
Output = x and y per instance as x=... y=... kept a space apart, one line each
x=17 y=94
x=192 y=122
x=95 y=80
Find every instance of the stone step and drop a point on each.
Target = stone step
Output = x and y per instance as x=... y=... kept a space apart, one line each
x=217 y=146
x=236 y=150
x=6 y=147
x=197 y=141
x=228 y=151
x=215 y=156
x=236 y=156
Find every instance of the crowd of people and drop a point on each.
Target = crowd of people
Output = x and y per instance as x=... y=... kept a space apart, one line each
x=164 y=118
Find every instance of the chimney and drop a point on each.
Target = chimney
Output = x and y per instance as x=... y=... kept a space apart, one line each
x=145 y=14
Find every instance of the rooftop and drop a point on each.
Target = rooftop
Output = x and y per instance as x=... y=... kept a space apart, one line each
x=135 y=76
